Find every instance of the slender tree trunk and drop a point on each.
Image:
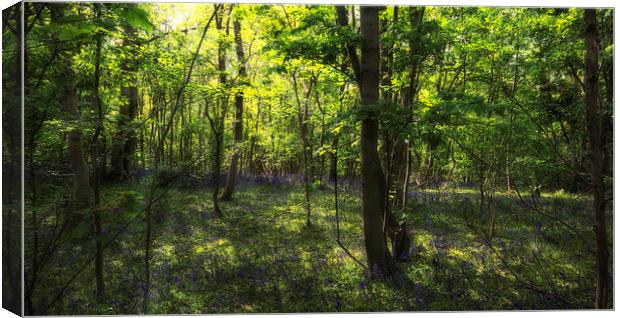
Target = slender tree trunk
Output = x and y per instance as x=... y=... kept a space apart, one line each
x=95 y=157
x=398 y=164
x=594 y=142
x=238 y=128
x=219 y=114
x=321 y=139
x=125 y=140
x=81 y=183
x=511 y=119
x=373 y=188
x=147 y=257
x=333 y=172
x=68 y=100
x=405 y=180
x=343 y=20
x=303 y=118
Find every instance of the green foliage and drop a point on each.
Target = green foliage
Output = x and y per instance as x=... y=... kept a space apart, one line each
x=72 y=28
x=135 y=16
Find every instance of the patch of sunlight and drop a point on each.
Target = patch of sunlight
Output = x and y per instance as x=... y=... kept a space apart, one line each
x=563 y=284
x=423 y=240
x=457 y=253
x=212 y=245
x=533 y=245
x=166 y=250
x=117 y=263
x=567 y=268
x=503 y=273
x=306 y=259
x=247 y=307
x=561 y=194
x=453 y=190
x=421 y=274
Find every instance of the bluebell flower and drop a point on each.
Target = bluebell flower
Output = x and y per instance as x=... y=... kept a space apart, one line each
x=362 y=285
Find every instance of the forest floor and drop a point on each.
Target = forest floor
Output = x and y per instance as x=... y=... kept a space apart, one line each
x=261 y=257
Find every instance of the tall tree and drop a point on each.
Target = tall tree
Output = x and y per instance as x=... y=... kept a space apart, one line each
x=98 y=165
x=349 y=48
x=380 y=261
x=304 y=132
x=68 y=101
x=593 y=122
x=238 y=125
x=125 y=140
x=218 y=114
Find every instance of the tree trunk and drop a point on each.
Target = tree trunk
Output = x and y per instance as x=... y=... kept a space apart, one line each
x=594 y=143
x=147 y=255
x=303 y=118
x=373 y=188
x=343 y=20
x=68 y=99
x=219 y=114
x=238 y=130
x=125 y=140
x=399 y=165
x=95 y=157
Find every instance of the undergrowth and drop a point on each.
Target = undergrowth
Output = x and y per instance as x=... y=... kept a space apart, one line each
x=261 y=257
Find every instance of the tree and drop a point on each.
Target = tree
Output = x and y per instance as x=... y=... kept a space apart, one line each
x=98 y=165
x=124 y=144
x=68 y=99
x=593 y=121
x=217 y=115
x=373 y=187
x=238 y=123
x=303 y=119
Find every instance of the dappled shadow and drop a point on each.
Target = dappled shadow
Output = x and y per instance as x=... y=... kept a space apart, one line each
x=261 y=256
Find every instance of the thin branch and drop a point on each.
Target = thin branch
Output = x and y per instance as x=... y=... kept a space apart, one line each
x=522 y=282
x=529 y=206
x=338 y=218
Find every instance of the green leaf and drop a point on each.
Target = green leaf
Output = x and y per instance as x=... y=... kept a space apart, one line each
x=136 y=17
x=72 y=30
